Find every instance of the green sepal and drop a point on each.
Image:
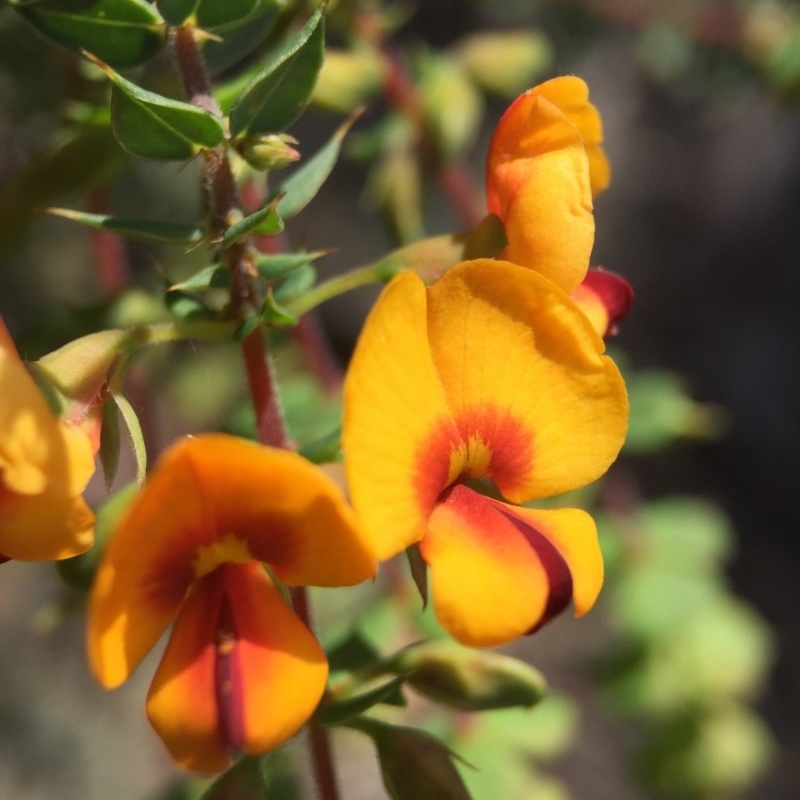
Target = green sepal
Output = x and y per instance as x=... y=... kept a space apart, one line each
x=109 y=443
x=124 y=33
x=301 y=188
x=206 y=14
x=297 y=283
x=135 y=433
x=79 y=571
x=141 y=229
x=339 y=710
x=213 y=276
x=414 y=764
x=265 y=221
x=152 y=126
x=419 y=572
x=273 y=266
x=278 y=94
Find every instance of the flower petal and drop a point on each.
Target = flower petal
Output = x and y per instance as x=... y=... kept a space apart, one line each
x=240 y=671
x=393 y=402
x=211 y=500
x=495 y=574
x=506 y=340
x=571 y=96
x=537 y=182
x=38 y=452
x=44 y=527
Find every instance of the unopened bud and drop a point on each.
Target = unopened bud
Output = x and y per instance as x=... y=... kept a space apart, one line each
x=268 y=151
x=473 y=680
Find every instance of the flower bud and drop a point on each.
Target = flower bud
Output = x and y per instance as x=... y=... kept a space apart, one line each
x=472 y=680
x=268 y=151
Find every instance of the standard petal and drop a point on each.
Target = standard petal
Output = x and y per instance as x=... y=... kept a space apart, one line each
x=490 y=582
x=44 y=527
x=287 y=512
x=571 y=95
x=394 y=408
x=240 y=671
x=509 y=344
x=537 y=182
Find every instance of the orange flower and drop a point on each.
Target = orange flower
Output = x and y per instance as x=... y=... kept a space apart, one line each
x=241 y=672
x=45 y=464
x=545 y=165
x=490 y=382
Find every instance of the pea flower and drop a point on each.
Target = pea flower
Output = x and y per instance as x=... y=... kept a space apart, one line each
x=241 y=672
x=487 y=390
x=545 y=165
x=45 y=465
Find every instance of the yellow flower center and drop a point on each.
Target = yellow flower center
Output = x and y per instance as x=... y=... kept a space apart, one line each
x=228 y=549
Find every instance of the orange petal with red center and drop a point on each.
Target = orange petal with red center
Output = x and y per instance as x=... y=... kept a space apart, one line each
x=605 y=298
x=538 y=184
x=394 y=407
x=241 y=673
x=497 y=574
x=211 y=500
x=571 y=96
x=526 y=379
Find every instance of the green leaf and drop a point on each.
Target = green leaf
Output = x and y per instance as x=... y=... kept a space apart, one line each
x=325 y=449
x=272 y=266
x=142 y=229
x=121 y=32
x=211 y=277
x=298 y=282
x=273 y=313
x=136 y=436
x=151 y=126
x=415 y=765
x=238 y=40
x=279 y=93
x=187 y=306
x=206 y=14
x=301 y=188
x=243 y=781
x=263 y=221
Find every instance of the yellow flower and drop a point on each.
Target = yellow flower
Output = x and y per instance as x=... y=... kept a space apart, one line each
x=241 y=672
x=489 y=382
x=45 y=464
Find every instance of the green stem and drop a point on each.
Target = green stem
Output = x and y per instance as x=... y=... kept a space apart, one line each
x=333 y=287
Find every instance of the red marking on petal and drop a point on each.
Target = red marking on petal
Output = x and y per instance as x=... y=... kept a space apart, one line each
x=489 y=442
x=613 y=291
x=559 y=577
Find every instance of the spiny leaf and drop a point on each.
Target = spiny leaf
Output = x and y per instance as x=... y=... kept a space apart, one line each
x=277 y=95
x=301 y=188
x=206 y=14
x=211 y=277
x=152 y=126
x=264 y=221
x=272 y=266
x=145 y=230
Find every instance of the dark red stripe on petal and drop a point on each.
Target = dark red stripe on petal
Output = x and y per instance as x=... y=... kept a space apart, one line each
x=559 y=577
x=227 y=673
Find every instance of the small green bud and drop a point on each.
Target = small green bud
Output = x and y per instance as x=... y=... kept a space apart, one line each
x=473 y=680
x=268 y=151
